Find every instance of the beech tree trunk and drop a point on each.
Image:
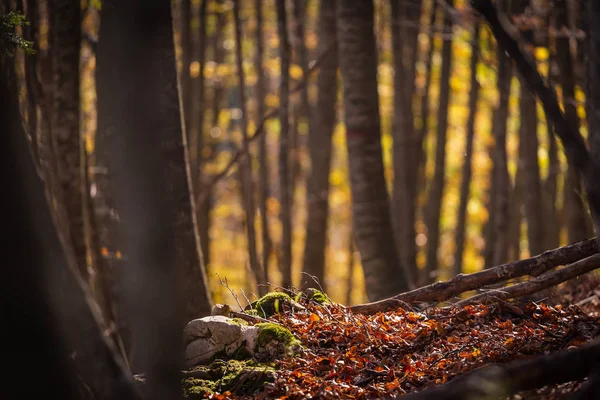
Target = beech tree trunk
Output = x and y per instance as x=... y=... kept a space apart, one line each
x=66 y=20
x=284 y=162
x=245 y=166
x=373 y=229
x=467 y=166
x=139 y=106
x=578 y=223
x=437 y=185
x=320 y=148
x=263 y=175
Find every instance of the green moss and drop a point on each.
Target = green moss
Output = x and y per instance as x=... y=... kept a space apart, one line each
x=318 y=296
x=240 y=377
x=239 y=321
x=270 y=303
x=273 y=341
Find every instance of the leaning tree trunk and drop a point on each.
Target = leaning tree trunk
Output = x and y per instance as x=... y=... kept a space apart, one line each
x=437 y=185
x=320 y=147
x=53 y=317
x=373 y=229
x=578 y=224
x=152 y=91
x=65 y=121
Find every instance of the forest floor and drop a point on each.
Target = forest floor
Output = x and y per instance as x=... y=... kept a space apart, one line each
x=352 y=356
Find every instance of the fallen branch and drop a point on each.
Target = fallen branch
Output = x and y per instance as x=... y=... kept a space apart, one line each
x=442 y=291
x=499 y=381
x=259 y=131
x=547 y=280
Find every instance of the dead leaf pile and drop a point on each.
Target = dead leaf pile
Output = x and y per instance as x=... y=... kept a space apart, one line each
x=349 y=356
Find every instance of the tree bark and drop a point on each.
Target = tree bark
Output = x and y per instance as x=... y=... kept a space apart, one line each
x=467 y=166
x=320 y=148
x=46 y=294
x=437 y=185
x=442 y=291
x=284 y=162
x=373 y=229
x=577 y=217
x=247 y=180
x=139 y=111
x=263 y=174
x=65 y=121
x=528 y=149
x=501 y=177
x=403 y=195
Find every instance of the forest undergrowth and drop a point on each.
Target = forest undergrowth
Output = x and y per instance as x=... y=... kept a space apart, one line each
x=353 y=356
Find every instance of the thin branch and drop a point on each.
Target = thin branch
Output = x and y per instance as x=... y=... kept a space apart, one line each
x=260 y=128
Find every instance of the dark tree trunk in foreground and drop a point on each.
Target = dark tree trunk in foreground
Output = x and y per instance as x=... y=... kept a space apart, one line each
x=320 y=147
x=467 y=166
x=437 y=185
x=44 y=301
x=373 y=229
x=284 y=162
x=65 y=121
x=139 y=108
x=578 y=224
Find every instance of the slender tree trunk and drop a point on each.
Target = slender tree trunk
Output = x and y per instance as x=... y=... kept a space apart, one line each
x=578 y=223
x=467 y=166
x=263 y=174
x=373 y=228
x=301 y=111
x=320 y=148
x=284 y=162
x=528 y=149
x=502 y=181
x=203 y=207
x=187 y=94
x=403 y=199
x=437 y=186
x=423 y=129
x=515 y=217
x=351 y=262
x=247 y=181
x=592 y=12
x=549 y=187
x=197 y=107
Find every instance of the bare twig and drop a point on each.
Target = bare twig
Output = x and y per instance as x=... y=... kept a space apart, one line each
x=203 y=196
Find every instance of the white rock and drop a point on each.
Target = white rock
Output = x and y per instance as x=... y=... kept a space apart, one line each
x=208 y=336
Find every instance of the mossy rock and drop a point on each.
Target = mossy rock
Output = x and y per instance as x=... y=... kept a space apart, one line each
x=274 y=341
x=273 y=303
x=243 y=378
x=317 y=296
